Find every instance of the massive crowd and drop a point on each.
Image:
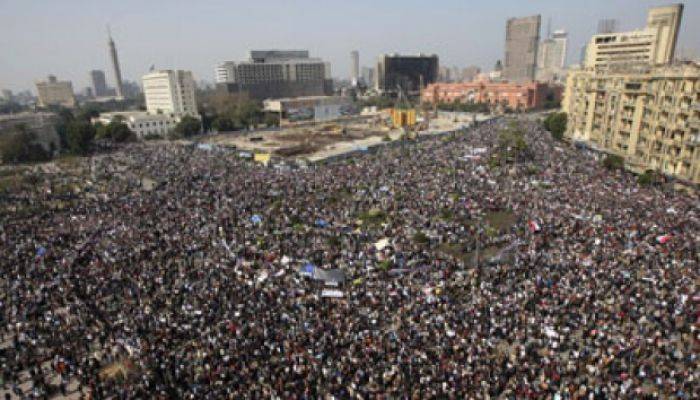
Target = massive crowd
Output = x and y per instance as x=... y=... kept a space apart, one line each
x=552 y=278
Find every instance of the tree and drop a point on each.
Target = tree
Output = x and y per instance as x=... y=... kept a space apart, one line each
x=271 y=119
x=21 y=146
x=116 y=131
x=463 y=107
x=247 y=113
x=88 y=112
x=80 y=136
x=207 y=116
x=648 y=178
x=556 y=124
x=65 y=117
x=613 y=162
x=512 y=147
x=223 y=124
x=188 y=126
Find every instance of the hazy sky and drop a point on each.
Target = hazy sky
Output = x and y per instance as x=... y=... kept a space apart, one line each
x=68 y=38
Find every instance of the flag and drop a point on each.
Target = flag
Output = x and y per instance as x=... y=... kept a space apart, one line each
x=308 y=270
x=663 y=239
x=534 y=226
x=256 y=219
x=40 y=252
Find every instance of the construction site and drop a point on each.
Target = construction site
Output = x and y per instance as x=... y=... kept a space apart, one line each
x=318 y=141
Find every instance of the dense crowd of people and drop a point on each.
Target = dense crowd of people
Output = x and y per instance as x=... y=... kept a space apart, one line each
x=550 y=278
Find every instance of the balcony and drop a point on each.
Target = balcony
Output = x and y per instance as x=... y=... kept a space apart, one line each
x=635 y=88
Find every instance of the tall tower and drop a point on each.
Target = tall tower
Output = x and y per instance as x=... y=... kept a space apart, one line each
x=354 y=66
x=522 y=41
x=115 y=64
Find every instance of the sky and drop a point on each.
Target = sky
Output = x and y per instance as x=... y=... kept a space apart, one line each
x=68 y=38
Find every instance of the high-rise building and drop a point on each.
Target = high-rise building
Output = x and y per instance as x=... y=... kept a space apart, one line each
x=654 y=44
x=269 y=56
x=115 y=66
x=444 y=74
x=170 y=92
x=55 y=93
x=368 y=76
x=522 y=40
x=99 y=84
x=276 y=74
x=225 y=72
x=408 y=73
x=551 y=58
x=130 y=89
x=354 y=67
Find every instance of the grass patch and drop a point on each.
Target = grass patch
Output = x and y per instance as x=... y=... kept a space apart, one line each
x=501 y=220
x=374 y=216
x=421 y=238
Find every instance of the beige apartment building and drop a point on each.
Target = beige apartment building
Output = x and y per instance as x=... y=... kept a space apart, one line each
x=53 y=92
x=649 y=114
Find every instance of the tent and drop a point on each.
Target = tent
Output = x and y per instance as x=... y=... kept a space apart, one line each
x=329 y=276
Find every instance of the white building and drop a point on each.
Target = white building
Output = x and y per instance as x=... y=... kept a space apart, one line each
x=551 y=58
x=142 y=123
x=170 y=92
x=225 y=72
x=170 y=96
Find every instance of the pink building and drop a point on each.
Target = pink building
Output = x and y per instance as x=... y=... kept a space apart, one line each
x=516 y=96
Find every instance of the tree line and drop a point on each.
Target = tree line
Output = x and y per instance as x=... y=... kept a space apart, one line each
x=77 y=136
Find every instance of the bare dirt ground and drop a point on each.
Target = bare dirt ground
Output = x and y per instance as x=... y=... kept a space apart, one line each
x=319 y=141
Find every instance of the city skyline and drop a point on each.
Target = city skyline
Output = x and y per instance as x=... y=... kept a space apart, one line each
x=196 y=39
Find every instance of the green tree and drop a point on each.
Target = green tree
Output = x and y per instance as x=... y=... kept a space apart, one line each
x=223 y=124
x=116 y=130
x=21 y=146
x=512 y=147
x=613 y=162
x=648 y=178
x=80 y=136
x=247 y=113
x=188 y=126
x=272 y=119
x=207 y=117
x=556 y=124
x=464 y=107
x=65 y=117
